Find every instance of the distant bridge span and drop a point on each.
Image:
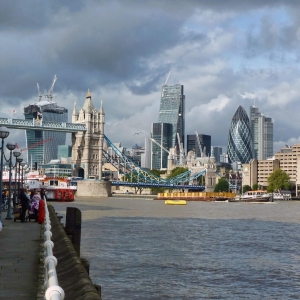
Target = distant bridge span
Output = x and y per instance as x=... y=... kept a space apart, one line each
x=41 y=126
x=160 y=185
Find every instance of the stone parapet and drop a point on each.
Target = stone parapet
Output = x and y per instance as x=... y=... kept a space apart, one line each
x=93 y=188
x=72 y=275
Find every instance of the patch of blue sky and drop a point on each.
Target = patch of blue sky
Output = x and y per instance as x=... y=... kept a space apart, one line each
x=252 y=20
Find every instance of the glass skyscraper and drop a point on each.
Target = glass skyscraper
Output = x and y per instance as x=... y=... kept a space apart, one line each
x=43 y=145
x=262 y=133
x=172 y=111
x=192 y=144
x=240 y=142
x=162 y=134
x=216 y=152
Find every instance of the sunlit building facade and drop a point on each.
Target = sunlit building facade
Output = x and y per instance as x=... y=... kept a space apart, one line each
x=240 y=142
x=262 y=133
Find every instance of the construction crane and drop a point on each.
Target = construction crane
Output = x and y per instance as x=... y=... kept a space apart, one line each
x=181 y=152
x=199 y=144
x=158 y=144
x=39 y=92
x=36 y=144
x=50 y=92
x=168 y=77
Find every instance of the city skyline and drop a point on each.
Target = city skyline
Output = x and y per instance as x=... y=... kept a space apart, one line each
x=239 y=53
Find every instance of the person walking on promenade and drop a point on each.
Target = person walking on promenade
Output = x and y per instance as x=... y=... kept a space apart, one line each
x=24 y=203
x=41 y=213
x=32 y=193
x=35 y=200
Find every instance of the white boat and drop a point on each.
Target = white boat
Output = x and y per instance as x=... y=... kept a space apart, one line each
x=254 y=196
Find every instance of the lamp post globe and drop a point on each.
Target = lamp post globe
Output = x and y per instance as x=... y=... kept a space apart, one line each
x=10 y=146
x=4 y=133
x=16 y=154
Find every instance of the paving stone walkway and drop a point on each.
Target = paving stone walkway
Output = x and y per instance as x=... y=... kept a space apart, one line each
x=19 y=259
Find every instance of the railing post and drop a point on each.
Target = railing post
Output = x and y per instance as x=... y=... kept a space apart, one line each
x=73 y=227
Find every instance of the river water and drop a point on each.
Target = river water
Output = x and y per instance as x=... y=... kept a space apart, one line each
x=139 y=248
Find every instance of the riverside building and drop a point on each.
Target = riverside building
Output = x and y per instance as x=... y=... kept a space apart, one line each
x=287 y=159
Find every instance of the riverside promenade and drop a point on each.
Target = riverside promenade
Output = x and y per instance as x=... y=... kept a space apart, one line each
x=19 y=259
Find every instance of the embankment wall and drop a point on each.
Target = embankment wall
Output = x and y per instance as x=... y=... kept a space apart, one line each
x=72 y=275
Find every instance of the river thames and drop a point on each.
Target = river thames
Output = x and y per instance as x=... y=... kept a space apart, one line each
x=140 y=248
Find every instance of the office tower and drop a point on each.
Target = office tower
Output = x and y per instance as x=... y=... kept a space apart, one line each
x=162 y=134
x=240 y=142
x=262 y=133
x=216 y=152
x=146 y=157
x=193 y=144
x=64 y=151
x=43 y=145
x=172 y=111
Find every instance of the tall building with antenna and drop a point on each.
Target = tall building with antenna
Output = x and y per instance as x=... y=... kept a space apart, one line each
x=172 y=110
x=43 y=145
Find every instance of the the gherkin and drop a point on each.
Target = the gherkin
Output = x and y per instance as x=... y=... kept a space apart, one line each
x=240 y=142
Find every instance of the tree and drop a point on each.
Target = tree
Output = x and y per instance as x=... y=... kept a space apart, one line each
x=177 y=171
x=278 y=180
x=222 y=185
x=245 y=189
x=133 y=177
x=157 y=190
x=255 y=187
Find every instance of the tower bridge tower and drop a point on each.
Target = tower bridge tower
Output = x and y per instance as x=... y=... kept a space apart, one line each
x=87 y=146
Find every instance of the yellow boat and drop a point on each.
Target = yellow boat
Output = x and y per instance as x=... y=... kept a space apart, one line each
x=175 y=202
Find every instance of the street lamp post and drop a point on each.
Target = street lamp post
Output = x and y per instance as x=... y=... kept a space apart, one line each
x=4 y=133
x=19 y=160
x=10 y=146
x=16 y=154
x=23 y=164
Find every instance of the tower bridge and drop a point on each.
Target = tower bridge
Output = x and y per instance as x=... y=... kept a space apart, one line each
x=41 y=126
x=88 y=155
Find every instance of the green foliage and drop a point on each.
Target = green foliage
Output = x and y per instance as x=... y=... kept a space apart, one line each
x=177 y=171
x=157 y=173
x=278 y=180
x=255 y=187
x=245 y=189
x=132 y=177
x=222 y=185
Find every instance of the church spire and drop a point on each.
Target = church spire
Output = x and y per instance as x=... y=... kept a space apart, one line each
x=75 y=113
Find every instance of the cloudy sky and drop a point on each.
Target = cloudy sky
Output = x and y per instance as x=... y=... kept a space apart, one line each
x=225 y=53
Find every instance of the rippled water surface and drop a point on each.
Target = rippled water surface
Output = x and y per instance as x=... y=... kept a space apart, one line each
x=141 y=249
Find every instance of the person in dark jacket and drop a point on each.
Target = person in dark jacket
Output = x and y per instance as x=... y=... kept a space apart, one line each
x=24 y=203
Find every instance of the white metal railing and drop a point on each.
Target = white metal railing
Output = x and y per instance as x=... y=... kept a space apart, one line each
x=53 y=290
